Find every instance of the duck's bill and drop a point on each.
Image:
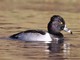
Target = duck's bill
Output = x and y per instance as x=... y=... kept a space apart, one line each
x=67 y=30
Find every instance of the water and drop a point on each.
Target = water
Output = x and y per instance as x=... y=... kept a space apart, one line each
x=13 y=22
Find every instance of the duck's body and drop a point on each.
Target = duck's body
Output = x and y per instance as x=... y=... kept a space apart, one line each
x=55 y=25
x=32 y=35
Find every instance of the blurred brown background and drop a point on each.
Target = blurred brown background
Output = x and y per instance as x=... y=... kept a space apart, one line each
x=42 y=5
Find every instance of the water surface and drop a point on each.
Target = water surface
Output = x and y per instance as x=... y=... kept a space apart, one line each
x=14 y=21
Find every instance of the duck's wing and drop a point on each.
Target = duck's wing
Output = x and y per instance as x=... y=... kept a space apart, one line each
x=16 y=36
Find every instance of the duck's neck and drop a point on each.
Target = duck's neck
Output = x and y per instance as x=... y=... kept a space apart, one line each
x=60 y=35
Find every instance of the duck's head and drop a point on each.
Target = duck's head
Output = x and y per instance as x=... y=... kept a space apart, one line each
x=57 y=24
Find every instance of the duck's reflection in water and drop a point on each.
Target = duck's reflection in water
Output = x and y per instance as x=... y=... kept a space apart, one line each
x=59 y=51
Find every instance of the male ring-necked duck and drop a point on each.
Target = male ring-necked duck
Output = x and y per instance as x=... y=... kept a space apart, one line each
x=55 y=25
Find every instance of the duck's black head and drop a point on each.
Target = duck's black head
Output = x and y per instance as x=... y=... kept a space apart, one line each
x=56 y=24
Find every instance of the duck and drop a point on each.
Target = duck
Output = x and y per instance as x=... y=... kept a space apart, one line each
x=55 y=26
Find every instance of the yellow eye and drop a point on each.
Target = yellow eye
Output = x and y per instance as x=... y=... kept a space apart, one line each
x=61 y=23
